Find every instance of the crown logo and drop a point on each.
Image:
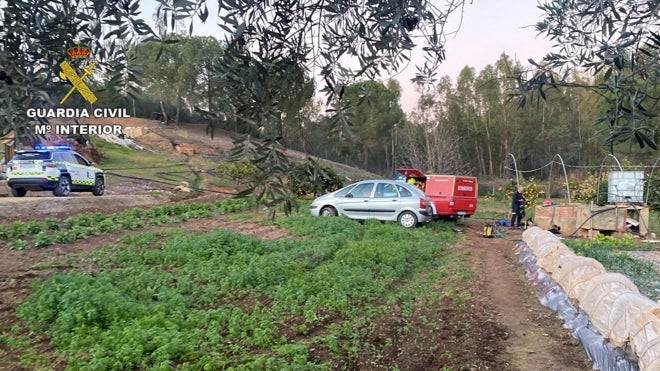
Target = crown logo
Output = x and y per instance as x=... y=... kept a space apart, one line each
x=78 y=52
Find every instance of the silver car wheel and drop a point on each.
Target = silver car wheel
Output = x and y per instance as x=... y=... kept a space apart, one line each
x=328 y=211
x=407 y=219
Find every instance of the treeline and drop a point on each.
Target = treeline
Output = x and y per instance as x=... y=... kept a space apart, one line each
x=467 y=126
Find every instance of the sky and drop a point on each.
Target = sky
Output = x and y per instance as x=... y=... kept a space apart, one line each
x=488 y=29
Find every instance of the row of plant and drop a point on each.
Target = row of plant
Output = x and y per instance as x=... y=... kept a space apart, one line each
x=23 y=234
x=224 y=300
x=613 y=254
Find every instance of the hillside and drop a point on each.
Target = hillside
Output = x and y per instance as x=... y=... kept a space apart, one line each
x=190 y=143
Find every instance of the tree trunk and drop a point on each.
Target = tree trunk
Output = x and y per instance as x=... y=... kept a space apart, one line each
x=163 y=113
x=489 y=146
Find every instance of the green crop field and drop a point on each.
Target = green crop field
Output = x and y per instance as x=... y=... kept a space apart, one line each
x=163 y=300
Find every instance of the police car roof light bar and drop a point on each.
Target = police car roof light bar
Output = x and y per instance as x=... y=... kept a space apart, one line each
x=55 y=147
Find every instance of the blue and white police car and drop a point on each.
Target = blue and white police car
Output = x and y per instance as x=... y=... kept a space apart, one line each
x=53 y=168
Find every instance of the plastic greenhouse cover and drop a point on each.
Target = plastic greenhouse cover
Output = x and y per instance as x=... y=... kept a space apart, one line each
x=618 y=327
x=600 y=352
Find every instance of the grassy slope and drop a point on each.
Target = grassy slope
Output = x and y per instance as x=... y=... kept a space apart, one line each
x=168 y=168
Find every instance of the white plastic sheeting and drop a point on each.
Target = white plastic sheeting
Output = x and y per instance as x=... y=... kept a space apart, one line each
x=609 y=305
x=645 y=339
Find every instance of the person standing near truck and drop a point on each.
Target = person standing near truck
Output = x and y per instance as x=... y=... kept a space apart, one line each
x=517 y=208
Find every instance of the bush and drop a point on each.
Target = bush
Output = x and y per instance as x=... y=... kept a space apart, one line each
x=239 y=171
x=588 y=189
x=531 y=192
x=312 y=178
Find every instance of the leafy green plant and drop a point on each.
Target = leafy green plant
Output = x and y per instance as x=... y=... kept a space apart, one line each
x=97 y=218
x=32 y=227
x=589 y=189
x=18 y=244
x=129 y=221
x=70 y=221
x=42 y=239
x=83 y=220
x=5 y=232
x=18 y=229
x=51 y=223
x=81 y=232
x=64 y=236
x=106 y=226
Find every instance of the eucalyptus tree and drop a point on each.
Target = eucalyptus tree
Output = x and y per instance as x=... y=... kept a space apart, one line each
x=430 y=141
x=375 y=111
x=178 y=74
x=465 y=114
x=619 y=38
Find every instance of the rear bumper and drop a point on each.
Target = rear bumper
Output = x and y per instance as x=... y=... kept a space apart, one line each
x=426 y=212
x=32 y=184
x=425 y=218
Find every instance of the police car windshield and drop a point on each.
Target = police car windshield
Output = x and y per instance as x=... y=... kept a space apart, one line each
x=32 y=156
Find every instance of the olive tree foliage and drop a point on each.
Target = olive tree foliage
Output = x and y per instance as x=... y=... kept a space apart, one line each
x=619 y=42
x=35 y=37
x=320 y=37
x=341 y=41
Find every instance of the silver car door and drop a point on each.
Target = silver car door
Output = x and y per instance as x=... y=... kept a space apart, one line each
x=355 y=204
x=386 y=202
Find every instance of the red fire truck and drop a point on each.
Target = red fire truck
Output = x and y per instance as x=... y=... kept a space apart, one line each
x=453 y=196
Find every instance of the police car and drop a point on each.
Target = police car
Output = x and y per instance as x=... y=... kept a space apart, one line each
x=53 y=168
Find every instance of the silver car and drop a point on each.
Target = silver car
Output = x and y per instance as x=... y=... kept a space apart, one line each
x=388 y=200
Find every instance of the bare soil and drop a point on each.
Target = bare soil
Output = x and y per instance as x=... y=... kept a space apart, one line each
x=502 y=327
x=534 y=338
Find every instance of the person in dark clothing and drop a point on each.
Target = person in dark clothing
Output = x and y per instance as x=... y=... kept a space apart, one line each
x=517 y=208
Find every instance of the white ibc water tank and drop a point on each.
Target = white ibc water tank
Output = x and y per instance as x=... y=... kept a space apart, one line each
x=625 y=186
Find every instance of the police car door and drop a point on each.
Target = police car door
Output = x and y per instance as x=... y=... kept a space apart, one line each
x=86 y=172
x=75 y=171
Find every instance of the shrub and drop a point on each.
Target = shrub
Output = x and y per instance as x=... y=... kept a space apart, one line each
x=311 y=178
x=531 y=192
x=588 y=189
x=238 y=171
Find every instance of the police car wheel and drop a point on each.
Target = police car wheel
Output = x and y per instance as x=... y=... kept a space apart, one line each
x=63 y=187
x=18 y=192
x=99 y=187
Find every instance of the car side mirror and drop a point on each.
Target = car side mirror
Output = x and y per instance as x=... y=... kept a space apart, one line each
x=350 y=195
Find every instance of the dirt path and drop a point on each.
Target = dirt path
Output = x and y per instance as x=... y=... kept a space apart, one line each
x=535 y=338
